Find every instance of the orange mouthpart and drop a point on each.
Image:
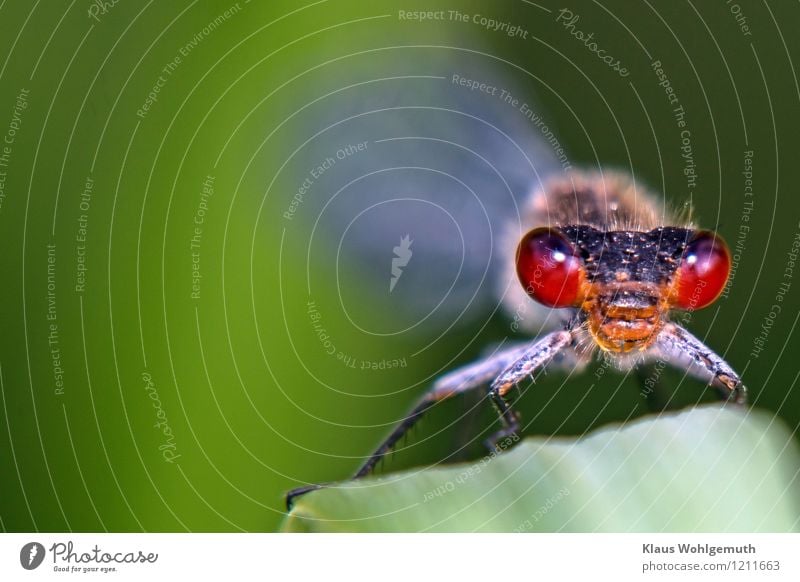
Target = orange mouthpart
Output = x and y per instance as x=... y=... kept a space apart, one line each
x=621 y=326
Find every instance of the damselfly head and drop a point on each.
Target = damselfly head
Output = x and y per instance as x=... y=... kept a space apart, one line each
x=622 y=282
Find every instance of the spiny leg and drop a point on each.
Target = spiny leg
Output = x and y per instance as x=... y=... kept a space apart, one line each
x=509 y=419
x=401 y=429
x=461 y=380
x=535 y=357
x=386 y=446
x=681 y=349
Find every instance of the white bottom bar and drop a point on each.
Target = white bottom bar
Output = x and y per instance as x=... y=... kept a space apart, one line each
x=401 y=557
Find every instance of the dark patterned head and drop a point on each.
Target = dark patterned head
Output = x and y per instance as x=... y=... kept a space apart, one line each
x=624 y=282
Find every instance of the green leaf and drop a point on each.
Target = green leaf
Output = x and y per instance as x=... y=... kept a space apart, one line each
x=709 y=468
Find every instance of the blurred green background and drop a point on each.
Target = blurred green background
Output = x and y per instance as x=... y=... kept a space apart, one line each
x=130 y=404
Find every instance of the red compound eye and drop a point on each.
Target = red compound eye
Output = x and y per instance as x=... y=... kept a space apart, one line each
x=548 y=269
x=703 y=271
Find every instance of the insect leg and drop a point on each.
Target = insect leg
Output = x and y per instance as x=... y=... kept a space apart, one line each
x=461 y=380
x=679 y=348
x=536 y=356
